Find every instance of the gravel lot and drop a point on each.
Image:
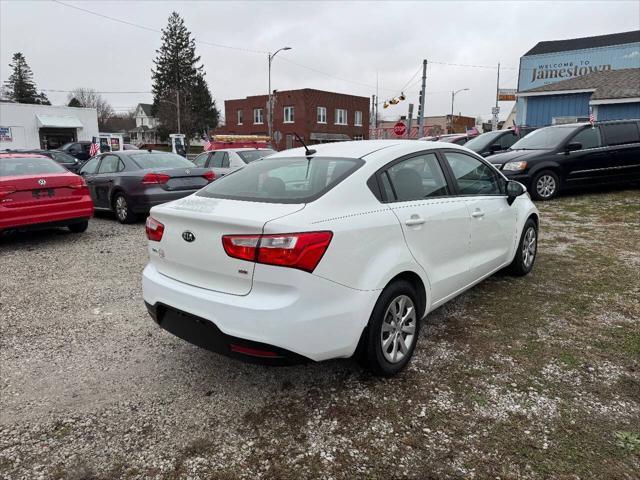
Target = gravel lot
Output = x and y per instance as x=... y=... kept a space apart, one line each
x=536 y=377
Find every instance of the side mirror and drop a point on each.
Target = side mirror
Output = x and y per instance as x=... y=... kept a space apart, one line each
x=514 y=190
x=496 y=147
x=573 y=146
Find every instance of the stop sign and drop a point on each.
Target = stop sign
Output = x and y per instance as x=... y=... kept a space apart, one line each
x=399 y=129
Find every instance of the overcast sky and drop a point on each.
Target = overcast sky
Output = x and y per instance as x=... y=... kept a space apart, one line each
x=350 y=43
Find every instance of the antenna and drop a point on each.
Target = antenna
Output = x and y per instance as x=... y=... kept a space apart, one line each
x=307 y=151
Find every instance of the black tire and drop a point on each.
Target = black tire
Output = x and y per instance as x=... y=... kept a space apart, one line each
x=79 y=227
x=526 y=253
x=122 y=209
x=373 y=355
x=545 y=185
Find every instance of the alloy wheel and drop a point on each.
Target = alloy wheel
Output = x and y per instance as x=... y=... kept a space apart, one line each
x=398 y=331
x=121 y=208
x=546 y=186
x=529 y=247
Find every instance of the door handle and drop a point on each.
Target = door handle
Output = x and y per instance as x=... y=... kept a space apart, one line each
x=414 y=220
x=477 y=214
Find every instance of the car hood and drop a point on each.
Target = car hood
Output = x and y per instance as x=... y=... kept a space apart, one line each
x=513 y=155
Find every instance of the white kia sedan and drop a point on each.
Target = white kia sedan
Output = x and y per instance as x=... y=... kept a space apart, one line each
x=338 y=251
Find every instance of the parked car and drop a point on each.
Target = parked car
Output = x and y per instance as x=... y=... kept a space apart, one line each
x=332 y=252
x=551 y=159
x=490 y=143
x=457 y=138
x=79 y=150
x=36 y=192
x=227 y=160
x=130 y=182
x=67 y=161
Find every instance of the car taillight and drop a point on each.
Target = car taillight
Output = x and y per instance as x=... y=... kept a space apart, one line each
x=78 y=183
x=294 y=250
x=155 y=178
x=210 y=176
x=154 y=229
x=6 y=191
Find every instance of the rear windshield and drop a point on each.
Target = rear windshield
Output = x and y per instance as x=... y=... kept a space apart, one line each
x=249 y=156
x=17 y=166
x=283 y=180
x=159 y=160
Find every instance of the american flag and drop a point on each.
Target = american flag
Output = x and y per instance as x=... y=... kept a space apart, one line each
x=516 y=128
x=592 y=116
x=207 y=142
x=95 y=147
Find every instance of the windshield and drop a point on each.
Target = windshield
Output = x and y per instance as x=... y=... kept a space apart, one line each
x=159 y=160
x=481 y=142
x=283 y=180
x=543 y=139
x=249 y=156
x=18 y=166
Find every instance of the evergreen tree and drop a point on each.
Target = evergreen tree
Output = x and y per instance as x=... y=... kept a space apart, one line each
x=178 y=76
x=20 y=87
x=74 y=102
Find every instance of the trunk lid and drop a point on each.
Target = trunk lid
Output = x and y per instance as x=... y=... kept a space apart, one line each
x=203 y=262
x=40 y=190
x=186 y=178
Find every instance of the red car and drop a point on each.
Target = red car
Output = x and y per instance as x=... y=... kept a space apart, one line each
x=36 y=192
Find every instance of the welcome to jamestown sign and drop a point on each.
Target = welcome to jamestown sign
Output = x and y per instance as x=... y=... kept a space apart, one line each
x=538 y=70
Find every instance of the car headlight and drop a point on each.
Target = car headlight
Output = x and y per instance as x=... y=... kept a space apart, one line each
x=515 y=166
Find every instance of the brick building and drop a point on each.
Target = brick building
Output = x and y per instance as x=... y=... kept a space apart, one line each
x=315 y=115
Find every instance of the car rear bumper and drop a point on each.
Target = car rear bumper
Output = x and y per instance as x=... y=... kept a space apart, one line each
x=142 y=203
x=316 y=319
x=42 y=217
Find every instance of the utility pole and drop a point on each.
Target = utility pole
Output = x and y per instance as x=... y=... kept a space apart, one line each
x=421 y=99
x=409 y=121
x=496 y=109
x=178 y=105
x=270 y=106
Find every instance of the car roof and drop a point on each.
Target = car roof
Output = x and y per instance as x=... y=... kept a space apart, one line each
x=362 y=148
x=239 y=149
x=21 y=155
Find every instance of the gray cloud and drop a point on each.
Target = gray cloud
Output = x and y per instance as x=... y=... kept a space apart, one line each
x=353 y=41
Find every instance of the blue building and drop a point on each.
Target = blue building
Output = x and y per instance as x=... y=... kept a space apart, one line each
x=559 y=81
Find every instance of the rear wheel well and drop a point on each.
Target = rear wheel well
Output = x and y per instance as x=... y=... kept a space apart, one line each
x=415 y=280
x=114 y=194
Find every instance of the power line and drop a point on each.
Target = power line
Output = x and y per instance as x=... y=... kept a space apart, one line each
x=143 y=27
x=93 y=91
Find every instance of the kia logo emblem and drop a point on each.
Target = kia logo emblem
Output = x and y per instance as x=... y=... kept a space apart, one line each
x=188 y=236
x=42 y=182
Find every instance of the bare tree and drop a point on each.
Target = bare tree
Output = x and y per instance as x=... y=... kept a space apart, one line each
x=88 y=97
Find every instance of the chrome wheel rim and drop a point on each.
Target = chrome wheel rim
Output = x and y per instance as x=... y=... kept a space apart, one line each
x=398 y=330
x=121 y=208
x=546 y=186
x=529 y=247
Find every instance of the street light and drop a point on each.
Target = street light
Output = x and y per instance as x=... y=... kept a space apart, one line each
x=270 y=110
x=453 y=96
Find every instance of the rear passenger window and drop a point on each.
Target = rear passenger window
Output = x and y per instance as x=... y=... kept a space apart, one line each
x=620 y=133
x=225 y=160
x=201 y=160
x=416 y=178
x=473 y=176
x=588 y=138
x=216 y=159
x=109 y=164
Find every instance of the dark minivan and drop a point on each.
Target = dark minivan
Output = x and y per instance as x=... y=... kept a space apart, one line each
x=554 y=158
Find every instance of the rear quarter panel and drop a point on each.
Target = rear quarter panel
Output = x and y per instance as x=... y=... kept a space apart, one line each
x=368 y=247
